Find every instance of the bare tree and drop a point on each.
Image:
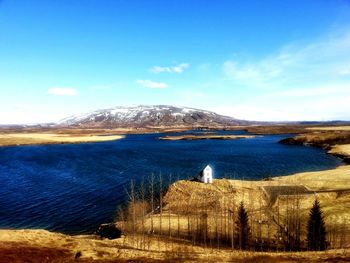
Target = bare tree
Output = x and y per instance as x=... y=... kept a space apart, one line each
x=131 y=222
x=143 y=214
x=160 y=206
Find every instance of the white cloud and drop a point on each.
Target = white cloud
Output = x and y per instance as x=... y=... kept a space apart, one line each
x=152 y=84
x=298 y=82
x=173 y=69
x=314 y=92
x=324 y=60
x=318 y=104
x=62 y=91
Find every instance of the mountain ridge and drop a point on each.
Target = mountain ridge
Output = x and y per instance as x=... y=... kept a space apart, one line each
x=151 y=116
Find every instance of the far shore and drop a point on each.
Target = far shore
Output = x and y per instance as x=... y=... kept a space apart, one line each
x=335 y=139
x=13 y=139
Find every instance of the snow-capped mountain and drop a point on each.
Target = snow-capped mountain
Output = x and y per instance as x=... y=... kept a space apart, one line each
x=150 y=116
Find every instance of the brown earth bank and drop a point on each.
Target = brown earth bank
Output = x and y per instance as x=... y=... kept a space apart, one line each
x=35 y=246
x=276 y=129
x=334 y=139
x=293 y=129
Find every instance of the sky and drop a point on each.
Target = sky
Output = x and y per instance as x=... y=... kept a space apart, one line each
x=256 y=60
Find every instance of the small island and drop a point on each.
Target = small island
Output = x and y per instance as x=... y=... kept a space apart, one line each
x=206 y=137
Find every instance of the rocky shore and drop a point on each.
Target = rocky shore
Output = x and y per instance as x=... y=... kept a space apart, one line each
x=335 y=142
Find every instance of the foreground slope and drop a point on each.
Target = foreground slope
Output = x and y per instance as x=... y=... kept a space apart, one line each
x=269 y=204
x=43 y=246
x=261 y=198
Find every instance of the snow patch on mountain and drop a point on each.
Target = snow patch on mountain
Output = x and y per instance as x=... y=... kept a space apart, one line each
x=144 y=115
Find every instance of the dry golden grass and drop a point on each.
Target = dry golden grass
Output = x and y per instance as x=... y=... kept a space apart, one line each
x=52 y=138
x=263 y=200
x=44 y=246
x=330 y=128
x=343 y=150
x=324 y=138
x=321 y=138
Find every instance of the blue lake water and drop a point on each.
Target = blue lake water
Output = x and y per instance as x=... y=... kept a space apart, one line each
x=73 y=188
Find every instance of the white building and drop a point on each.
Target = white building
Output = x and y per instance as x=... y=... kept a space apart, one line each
x=206 y=175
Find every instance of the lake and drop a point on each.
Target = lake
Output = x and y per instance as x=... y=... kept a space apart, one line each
x=73 y=188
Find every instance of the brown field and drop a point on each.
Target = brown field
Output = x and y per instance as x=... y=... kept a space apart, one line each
x=10 y=139
x=277 y=129
x=294 y=129
x=330 y=128
x=43 y=246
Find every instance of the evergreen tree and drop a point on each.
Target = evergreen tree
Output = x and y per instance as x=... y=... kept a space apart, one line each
x=242 y=228
x=316 y=230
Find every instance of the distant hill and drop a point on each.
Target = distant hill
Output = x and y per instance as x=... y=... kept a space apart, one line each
x=151 y=116
x=163 y=116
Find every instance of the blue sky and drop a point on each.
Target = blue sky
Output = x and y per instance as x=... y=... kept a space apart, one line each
x=256 y=60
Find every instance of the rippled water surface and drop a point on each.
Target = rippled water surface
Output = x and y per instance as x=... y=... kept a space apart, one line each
x=74 y=188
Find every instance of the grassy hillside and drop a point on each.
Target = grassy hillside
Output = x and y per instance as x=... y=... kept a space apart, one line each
x=174 y=231
x=271 y=206
x=43 y=246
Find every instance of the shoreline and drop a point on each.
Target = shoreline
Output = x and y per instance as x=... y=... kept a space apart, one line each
x=341 y=151
x=336 y=150
x=26 y=139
